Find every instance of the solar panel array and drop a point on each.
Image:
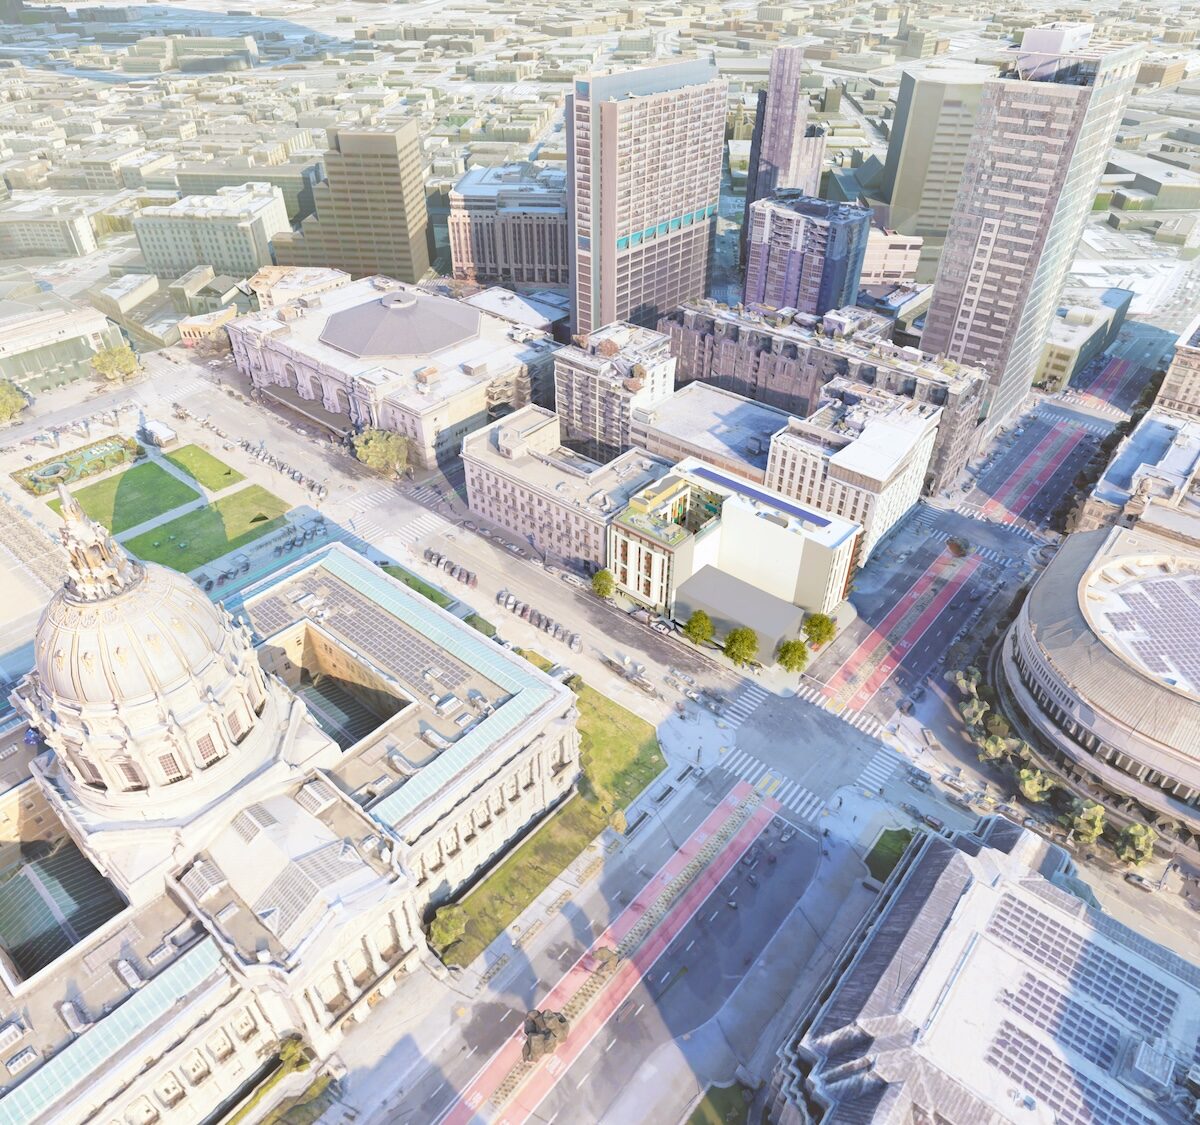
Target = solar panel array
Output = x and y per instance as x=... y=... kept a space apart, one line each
x=1163 y=616
x=1070 y=1023
x=1075 y=1098
x=1092 y=970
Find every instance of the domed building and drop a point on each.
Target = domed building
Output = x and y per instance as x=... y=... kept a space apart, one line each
x=231 y=831
x=1102 y=663
x=152 y=699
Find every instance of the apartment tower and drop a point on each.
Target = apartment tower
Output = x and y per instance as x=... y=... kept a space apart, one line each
x=644 y=150
x=1042 y=136
x=371 y=215
x=785 y=150
x=804 y=253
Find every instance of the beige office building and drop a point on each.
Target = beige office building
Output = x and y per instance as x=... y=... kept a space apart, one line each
x=864 y=457
x=521 y=477
x=644 y=154
x=371 y=216
x=1180 y=390
x=936 y=108
x=277 y=285
x=1041 y=140
x=232 y=231
x=891 y=258
x=600 y=380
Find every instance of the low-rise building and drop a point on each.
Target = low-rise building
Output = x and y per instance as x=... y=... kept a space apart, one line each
x=861 y=455
x=787 y=361
x=520 y=477
x=280 y=285
x=603 y=377
x=1180 y=390
x=45 y=228
x=232 y=231
x=699 y=517
x=380 y=354
x=1085 y=326
x=295 y=178
x=982 y=986
x=47 y=340
x=1157 y=464
x=714 y=425
x=508 y=224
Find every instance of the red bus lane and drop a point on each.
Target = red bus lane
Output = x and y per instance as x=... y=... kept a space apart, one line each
x=631 y=972
x=1033 y=487
x=488 y=1079
x=913 y=634
x=1019 y=477
x=879 y=633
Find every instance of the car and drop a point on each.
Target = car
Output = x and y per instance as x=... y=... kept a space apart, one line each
x=936 y=823
x=1139 y=881
x=787 y=834
x=917 y=693
x=502 y=597
x=576 y=643
x=731 y=903
x=468 y=525
x=551 y=569
x=752 y=879
x=912 y=810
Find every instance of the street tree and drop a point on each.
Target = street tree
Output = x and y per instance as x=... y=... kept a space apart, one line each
x=382 y=450
x=699 y=628
x=115 y=364
x=603 y=584
x=741 y=645
x=819 y=629
x=993 y=748
x=966 y=679
x=998 y=725
x=12 y=400
x=1034 y=785
x=1135 y=845
x=1085 y=820
x=973 y=710
x=448 y=926
x=793 y=655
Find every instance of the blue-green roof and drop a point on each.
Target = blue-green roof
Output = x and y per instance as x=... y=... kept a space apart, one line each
x=86 y=1056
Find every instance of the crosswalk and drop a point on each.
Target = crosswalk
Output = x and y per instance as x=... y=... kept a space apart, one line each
x=369 y=531
x=422 y=526
x=993 y=555
x=367 y=500
x=1097 y=428
x=791 y=794
x=188 y=387
x=425 y=494
x=879 y=769
x=859 y=720
x=744 y=705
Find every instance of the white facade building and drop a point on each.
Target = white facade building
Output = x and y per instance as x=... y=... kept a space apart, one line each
x=865 y=459
x=241 y=868
x=379 y=354
x=232 y=231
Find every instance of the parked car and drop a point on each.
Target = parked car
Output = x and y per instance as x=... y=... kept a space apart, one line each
x=1139 y=881
x=936 y=823
x=576 y=644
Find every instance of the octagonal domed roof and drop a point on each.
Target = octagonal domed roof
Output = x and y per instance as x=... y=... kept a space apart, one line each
x=401 y=322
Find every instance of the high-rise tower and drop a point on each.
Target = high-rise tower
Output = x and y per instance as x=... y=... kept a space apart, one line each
x=1042 y=135
x=785 y=151
x=644 y=151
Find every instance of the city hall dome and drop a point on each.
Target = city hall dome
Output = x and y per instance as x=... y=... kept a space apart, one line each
x=140 y=683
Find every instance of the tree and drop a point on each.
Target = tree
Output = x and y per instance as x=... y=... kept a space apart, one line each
x=603 y=584
x=1085 y=820
x=793 y=655
x=973 y=711
x=967 y=681
x=382 y=450
x=1135 y=845
x=12 y=400
x=699 y=628
x=957 y=546
x=993 y=748
x=115 y=364
x=1034 y=785
x=997 y=725
x=819 y=629
x=741 y=645
x=448 y=926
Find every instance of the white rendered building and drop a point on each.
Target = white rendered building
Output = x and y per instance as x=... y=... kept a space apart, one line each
x=278 y=285
x=245 y=822
x=864 y=457
x=232 y=231
x=376 y=353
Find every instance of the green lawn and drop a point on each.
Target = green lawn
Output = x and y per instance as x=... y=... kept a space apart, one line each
x=722 y=1105
x=536 y=659
x=201 y=536
x=887 y=852
x=132 y=497
x=620 y=755
x=481 y=623
x=202 y=466
x=414 y=583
